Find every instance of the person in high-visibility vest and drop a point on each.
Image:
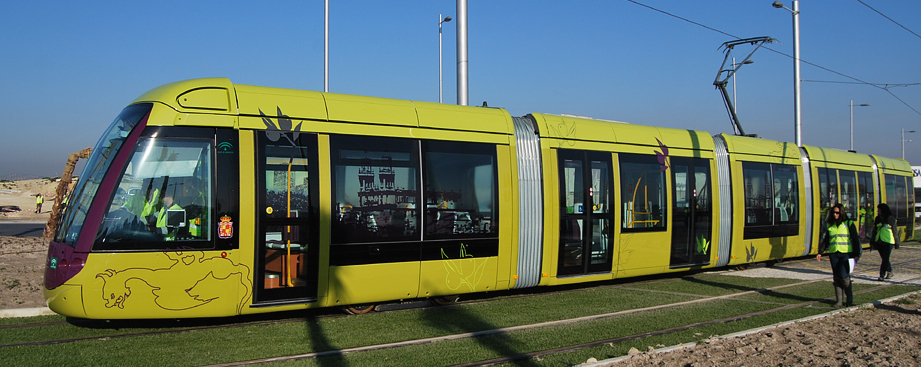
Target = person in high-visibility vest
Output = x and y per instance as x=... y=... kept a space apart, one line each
x=169 y=233
x=840 y=240
x=885 y=237
x=39 y=200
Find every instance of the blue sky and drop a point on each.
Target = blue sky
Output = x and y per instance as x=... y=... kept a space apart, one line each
x=69 y=68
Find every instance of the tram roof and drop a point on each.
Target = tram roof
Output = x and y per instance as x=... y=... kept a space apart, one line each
x=587 y=129
x=220 y=96
x=893 y=164
x=818 y=154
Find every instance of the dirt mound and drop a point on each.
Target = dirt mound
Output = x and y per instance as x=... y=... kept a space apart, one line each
x=886 y=335
x=21 y=194
x=22 y=271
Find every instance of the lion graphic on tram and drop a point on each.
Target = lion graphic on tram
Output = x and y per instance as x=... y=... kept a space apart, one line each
x=178 y=287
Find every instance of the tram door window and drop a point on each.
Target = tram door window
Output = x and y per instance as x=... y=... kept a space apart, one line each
x=287 y=252
x=642 y=183
x=771 y=200
x=164 y=196
x=848 y=186
x=910 y=218
x=691 y=229
x=867 y=209
x=828 y=190
x=897 y=199
x=585 y=212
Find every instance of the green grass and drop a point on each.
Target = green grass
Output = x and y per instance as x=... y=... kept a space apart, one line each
x=30 y=320
x=316 y=334
x=712 y=285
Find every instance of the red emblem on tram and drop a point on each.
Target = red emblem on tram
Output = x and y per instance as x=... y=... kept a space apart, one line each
x=225 y=228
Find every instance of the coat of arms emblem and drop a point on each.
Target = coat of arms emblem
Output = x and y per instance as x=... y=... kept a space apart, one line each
x=225 y=228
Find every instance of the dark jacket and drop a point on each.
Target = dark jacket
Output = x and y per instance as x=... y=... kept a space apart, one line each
x=825 y=240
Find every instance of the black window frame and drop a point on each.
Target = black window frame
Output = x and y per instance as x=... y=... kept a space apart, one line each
x=347 y=249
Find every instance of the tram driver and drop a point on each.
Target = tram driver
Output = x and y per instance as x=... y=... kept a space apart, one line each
x=170 y=218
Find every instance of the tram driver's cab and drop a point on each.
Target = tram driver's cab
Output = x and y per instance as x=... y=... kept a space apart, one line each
x=168 y=197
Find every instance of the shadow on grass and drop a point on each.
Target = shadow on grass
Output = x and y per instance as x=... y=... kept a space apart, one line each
x=744 y=288
x=331 y=355
x=459 y=320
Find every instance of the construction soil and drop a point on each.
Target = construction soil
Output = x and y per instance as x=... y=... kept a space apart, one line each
x=22 y=259
x=885 y=335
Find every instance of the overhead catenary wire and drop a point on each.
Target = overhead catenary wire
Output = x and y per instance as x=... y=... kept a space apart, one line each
x=890 y=19
x=885 y=88
x=880 y=85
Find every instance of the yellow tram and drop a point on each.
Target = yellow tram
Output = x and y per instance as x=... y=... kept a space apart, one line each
x=206 y=198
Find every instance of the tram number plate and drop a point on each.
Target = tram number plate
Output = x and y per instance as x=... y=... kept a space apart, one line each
x=54 y=263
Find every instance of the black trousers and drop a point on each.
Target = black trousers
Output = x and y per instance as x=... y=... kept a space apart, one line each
x=840 y=268
x=884 y=251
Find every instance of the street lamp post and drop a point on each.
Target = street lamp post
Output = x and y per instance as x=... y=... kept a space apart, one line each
x=796 y=77
x=903 y=141
x=440 y=20
x=852 y=121
x=462 y=62
x=326 y=49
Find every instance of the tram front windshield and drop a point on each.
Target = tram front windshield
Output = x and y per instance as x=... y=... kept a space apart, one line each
x=78 y=201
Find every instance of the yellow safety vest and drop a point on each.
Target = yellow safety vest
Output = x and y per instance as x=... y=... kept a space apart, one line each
x=839 y=238
x=195 y=227
x=195 y=223
x=151 y=205
x=884 y=233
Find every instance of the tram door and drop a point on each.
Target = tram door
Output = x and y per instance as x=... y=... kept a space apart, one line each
x=287 y=241
x=692 y=213
x=585 y=212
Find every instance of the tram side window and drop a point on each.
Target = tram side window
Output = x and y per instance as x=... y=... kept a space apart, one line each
x=642 y=182
x=375 y=189
x=460 y=190
x=163 y=199
x=771 y=200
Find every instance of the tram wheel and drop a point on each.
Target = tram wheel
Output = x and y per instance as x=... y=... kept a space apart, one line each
x=774 y=262
x=358 y=309
x=743 y=266
x=446 y=300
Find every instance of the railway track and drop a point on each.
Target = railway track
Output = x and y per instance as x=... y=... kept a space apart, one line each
x=536 y=354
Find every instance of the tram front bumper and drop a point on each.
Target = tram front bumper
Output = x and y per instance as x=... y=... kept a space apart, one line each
x=66 y=300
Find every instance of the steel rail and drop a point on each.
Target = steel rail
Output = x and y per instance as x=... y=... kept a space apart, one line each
x=572 y=348
x=499 y=331
x=466 y=335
